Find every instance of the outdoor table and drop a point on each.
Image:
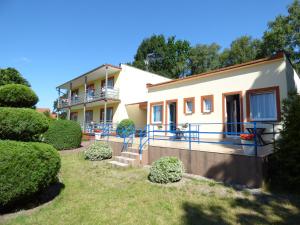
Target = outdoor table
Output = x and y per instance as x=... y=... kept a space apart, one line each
x=259 y=133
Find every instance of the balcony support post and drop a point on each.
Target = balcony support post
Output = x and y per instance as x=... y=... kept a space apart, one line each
x=58 y=104
x=106 y=79
x=85 y=90
x=84 y=119
x=70 y=94
x=105 y=112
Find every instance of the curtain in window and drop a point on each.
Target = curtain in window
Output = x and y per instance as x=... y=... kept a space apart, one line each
x=88 y=116
x=263 y=106
x=189 y=106
x=157 y=113
x=207 y=105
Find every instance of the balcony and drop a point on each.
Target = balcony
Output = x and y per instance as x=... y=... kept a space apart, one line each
x=90 y=96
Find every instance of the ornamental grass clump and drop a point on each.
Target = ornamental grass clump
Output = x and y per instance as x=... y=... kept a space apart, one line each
x=98 y=151
x=166 y=170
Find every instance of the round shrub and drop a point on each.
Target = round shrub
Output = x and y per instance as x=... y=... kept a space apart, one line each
x=26 y=168
x=17 y=95
x=125 y=127
x=98 y=151
x=166 y=169
x=63 y=134
x=21 y=124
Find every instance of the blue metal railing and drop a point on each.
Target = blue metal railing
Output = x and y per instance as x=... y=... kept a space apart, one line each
x=189 y=133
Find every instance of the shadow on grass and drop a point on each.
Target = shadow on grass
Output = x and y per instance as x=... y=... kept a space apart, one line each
x=263 y=209
x=36 y=200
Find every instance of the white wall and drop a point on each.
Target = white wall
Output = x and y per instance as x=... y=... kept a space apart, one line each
x=132 y=87
x=258 y=76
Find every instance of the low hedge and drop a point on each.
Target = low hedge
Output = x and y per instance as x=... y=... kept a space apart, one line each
x=125 y=127
x=166 y=170
x=17 y=95
x=21 y=124
x=63 y=134
x=26 y=168
x=98 y=151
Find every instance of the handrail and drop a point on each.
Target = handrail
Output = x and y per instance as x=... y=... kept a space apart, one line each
x=89 y=96
x=142 y=137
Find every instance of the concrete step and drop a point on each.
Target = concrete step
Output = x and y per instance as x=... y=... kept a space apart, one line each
x=132 y=155
x=125 y=160
x=118 y=164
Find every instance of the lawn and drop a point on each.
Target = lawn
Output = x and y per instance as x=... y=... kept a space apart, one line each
x=95 y=193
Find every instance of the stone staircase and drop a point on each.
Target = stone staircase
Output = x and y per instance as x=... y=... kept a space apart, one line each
x=130 y=157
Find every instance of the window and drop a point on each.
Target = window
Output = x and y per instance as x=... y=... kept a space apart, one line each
x=89 y=116
x=74 y=116
x=189 y=105
x=157 y=116
x=110 y=83
x=207 y=104
x=109 y=115
x=156 y=112
x=263 y=104
x=90 y=91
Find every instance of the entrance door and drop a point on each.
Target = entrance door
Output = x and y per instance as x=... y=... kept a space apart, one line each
x=233 y=114
x=172 y=115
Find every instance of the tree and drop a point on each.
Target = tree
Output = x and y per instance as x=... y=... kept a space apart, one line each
x=204 y=58
x=166 y=57
x=284 y=163
x=62 y=114
x=241 y=50
x=284 y=34
x=12 y=76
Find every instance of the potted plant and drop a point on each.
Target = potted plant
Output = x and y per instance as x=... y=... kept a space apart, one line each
x=159 y=127
x=247 y=141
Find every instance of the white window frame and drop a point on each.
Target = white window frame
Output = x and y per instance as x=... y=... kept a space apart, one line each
x=153 y=113
x=275 y=106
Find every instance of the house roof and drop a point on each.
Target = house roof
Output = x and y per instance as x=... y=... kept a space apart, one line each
x=275 y=57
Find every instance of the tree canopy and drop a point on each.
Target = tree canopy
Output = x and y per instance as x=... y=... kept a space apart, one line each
x=172 y=58
x=165 y=56
x=12 y=76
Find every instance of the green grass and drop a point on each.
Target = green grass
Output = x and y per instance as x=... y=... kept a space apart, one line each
x=95 y=193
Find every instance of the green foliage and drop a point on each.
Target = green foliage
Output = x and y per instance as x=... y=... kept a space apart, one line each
x=166 y=169
x=241 y=50
x=284 y=34
x=21 y=124
x=63 y=134
x=125 y=127
x=204 y=58
x=26 y=168
x=98 y=151
x=17 y=95
x=12 y=76
x=168 y=57
x=284 y=163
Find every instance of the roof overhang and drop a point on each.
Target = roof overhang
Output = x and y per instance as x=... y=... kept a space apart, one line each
x=94 y=74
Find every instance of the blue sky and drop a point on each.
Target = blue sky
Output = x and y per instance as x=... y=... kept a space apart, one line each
x=50 y=42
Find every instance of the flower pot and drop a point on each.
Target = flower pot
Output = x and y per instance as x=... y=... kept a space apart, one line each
x=248 y=147
x=97 y=136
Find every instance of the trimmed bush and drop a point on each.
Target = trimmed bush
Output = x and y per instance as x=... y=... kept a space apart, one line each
x=21 y=124
x=166 y=170
x=63 y=134
x=125 y=127
x=17 y=95
x=98 y=151
x=26 y=168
